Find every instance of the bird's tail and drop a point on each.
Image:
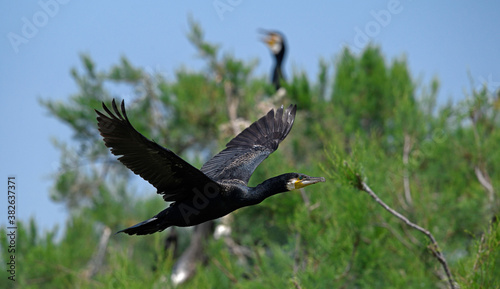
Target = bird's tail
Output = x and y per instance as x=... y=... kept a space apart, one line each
x=150 y=226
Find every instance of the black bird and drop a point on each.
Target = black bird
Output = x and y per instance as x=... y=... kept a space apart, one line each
x=276 y=43
x=219 y=188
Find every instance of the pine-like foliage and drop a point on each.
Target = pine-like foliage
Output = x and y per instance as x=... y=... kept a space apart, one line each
x=437 y=165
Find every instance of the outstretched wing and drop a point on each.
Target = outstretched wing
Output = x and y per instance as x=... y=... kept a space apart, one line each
x=173 y=177
x=248 y=149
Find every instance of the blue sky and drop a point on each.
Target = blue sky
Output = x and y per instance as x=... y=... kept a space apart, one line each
x=41 y=41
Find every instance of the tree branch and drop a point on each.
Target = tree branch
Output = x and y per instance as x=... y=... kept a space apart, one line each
x=485 y=181
x=434 y=246
x=95 y=263
x=406 y=178
x=185 y=267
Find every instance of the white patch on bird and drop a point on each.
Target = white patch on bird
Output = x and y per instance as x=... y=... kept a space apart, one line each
x=290 y=185
x=276 y=47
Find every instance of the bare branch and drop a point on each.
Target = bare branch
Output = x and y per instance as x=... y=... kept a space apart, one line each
x=434 y=245
x=305 y=198
x=185 y=267
x=485 y=181
x=481 y=173
x=96 y=262
x=232 y=102
x=406 y=175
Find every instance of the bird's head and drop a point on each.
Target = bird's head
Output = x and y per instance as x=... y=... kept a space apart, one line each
x=274 y=40
x=296 y=181
x=280 y=184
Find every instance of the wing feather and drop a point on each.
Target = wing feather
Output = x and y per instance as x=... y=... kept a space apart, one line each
x=173 y=177
x=248 y=149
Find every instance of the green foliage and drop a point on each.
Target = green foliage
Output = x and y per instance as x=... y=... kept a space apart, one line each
x=481 y=271
x=373 y=96
x=370 y=121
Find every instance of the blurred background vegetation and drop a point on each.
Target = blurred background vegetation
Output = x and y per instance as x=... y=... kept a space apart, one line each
x=437 y=165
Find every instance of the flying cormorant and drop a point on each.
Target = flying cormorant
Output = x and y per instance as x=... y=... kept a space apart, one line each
x=219 y=188
x=276 y=43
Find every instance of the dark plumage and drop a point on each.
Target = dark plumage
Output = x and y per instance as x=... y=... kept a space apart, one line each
x=219 y=188
x=276 y=43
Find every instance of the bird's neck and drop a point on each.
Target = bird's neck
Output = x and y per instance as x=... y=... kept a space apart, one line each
x=280 y=55
x=266 y=189
x=279 y=59
x=277 y=73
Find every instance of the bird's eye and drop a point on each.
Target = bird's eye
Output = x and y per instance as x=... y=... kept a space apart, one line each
x=301 y=177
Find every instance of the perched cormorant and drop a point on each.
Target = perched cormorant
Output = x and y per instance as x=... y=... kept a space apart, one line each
x=219 y=188
x=276 y=43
